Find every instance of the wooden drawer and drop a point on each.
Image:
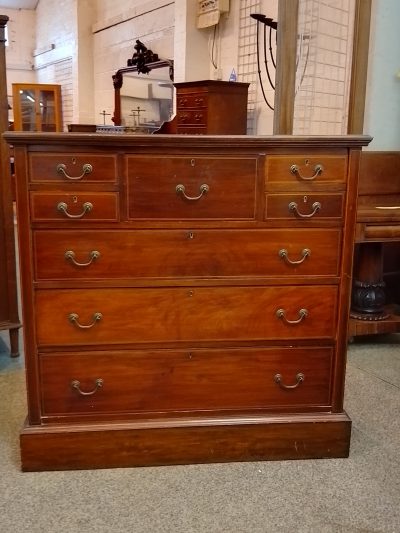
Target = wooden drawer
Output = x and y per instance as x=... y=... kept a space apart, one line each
x=304 y=207
x=192 y=100
x=85 y=206
x=195 y=380
x=301 y=169
x=185 y=253
x=143 y=315
x=188 y=117
x=72 y=168
x=217 y=187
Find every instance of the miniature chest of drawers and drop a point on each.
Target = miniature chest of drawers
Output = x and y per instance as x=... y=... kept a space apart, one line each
x=211 y=107
x=185 y=298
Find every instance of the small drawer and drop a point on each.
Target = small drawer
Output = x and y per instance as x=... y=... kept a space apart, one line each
x=203 y=187
x=85 y=206
x=304 y=207
x=303 y=169
x=67 y=254
x=191 y=118
x=195 y=380
x=159 y=315
x=72 y=168
x=191 y=100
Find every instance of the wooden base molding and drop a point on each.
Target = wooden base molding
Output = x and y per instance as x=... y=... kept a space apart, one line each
x=184 y=441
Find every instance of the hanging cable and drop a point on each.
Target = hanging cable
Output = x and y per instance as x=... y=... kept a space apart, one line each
x=256 y=17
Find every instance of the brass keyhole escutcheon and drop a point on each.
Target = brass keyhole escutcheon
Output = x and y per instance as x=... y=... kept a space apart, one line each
x=305 y=199
x=75 y=199
x=74 y=160
x=190 y=293
x=307 y=162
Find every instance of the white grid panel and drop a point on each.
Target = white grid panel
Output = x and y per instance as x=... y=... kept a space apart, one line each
x=247 y=56
x=324 y=66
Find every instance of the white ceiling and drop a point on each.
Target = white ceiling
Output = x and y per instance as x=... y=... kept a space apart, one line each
x=19 y=4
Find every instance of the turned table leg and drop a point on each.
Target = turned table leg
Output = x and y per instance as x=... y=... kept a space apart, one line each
x=368 y=292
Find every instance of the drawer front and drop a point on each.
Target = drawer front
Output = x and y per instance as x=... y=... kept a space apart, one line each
x=191 y=188
x=304 y=207
x=191 y=100
x=302 y=169
x=72 y=168
x=67 y=254
x=196 y=380
x=114 y=316
x=86 y=206
x=188 y=117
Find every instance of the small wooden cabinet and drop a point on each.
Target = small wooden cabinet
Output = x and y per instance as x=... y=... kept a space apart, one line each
x=185 y=297
x=37 y=107
x=211 y=107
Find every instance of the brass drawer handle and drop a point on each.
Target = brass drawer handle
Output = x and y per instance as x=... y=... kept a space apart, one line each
x=86 y=169
x=180 y=189
x=63 y=207
x=75 y=384
x=300 y=377
x=281 y=313
x=318 y=169
x=74 y=318
x=284 y=254
x=70 y=256
x=315 y=208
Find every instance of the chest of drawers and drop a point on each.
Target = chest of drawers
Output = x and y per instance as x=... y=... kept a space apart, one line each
x=211 y=107
x=185 y=298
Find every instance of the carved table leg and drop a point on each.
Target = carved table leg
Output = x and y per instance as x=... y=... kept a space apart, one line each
x=368 y=293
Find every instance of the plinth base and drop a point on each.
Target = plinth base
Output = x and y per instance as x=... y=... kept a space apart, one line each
x=185 y=441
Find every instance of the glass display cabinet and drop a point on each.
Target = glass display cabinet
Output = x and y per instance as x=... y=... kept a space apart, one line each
x=37 y=107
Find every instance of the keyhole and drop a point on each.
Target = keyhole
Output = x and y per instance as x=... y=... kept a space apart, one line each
x=74 y=160
x=75 y=199
x=190 y=293
x=190 y=235
x=307 y=162
x=192 y=162
x=305 y=199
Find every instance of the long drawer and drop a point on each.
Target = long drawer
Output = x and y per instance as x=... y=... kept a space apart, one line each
x=191 y=188
x=118 y=316
x=163 y=381
x=67 y=254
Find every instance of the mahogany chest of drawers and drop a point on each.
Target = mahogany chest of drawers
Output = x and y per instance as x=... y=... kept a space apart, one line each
x=211 y=107
x=185 y=298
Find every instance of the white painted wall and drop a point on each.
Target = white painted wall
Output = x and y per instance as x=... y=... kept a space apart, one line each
x=21 y=42
x=382 y=111
x=93 y=38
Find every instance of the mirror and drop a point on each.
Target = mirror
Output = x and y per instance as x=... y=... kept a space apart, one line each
x=144 y=100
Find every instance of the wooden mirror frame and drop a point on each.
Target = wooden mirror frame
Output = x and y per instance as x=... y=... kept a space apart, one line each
x=118 y=79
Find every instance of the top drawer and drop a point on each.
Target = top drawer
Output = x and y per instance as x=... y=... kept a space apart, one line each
x=303 y=169
x=70 y=168
x=184 y=188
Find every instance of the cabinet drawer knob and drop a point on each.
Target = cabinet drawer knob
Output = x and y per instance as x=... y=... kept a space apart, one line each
x=300 y=377
x=318 y=169
x=63 y=207
x=86 y=169
x=74 y=318
x=315 y=208
x=284 y=254
x=75 y=384
x=180 y=189
x=70 y=256
x=281 y=313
